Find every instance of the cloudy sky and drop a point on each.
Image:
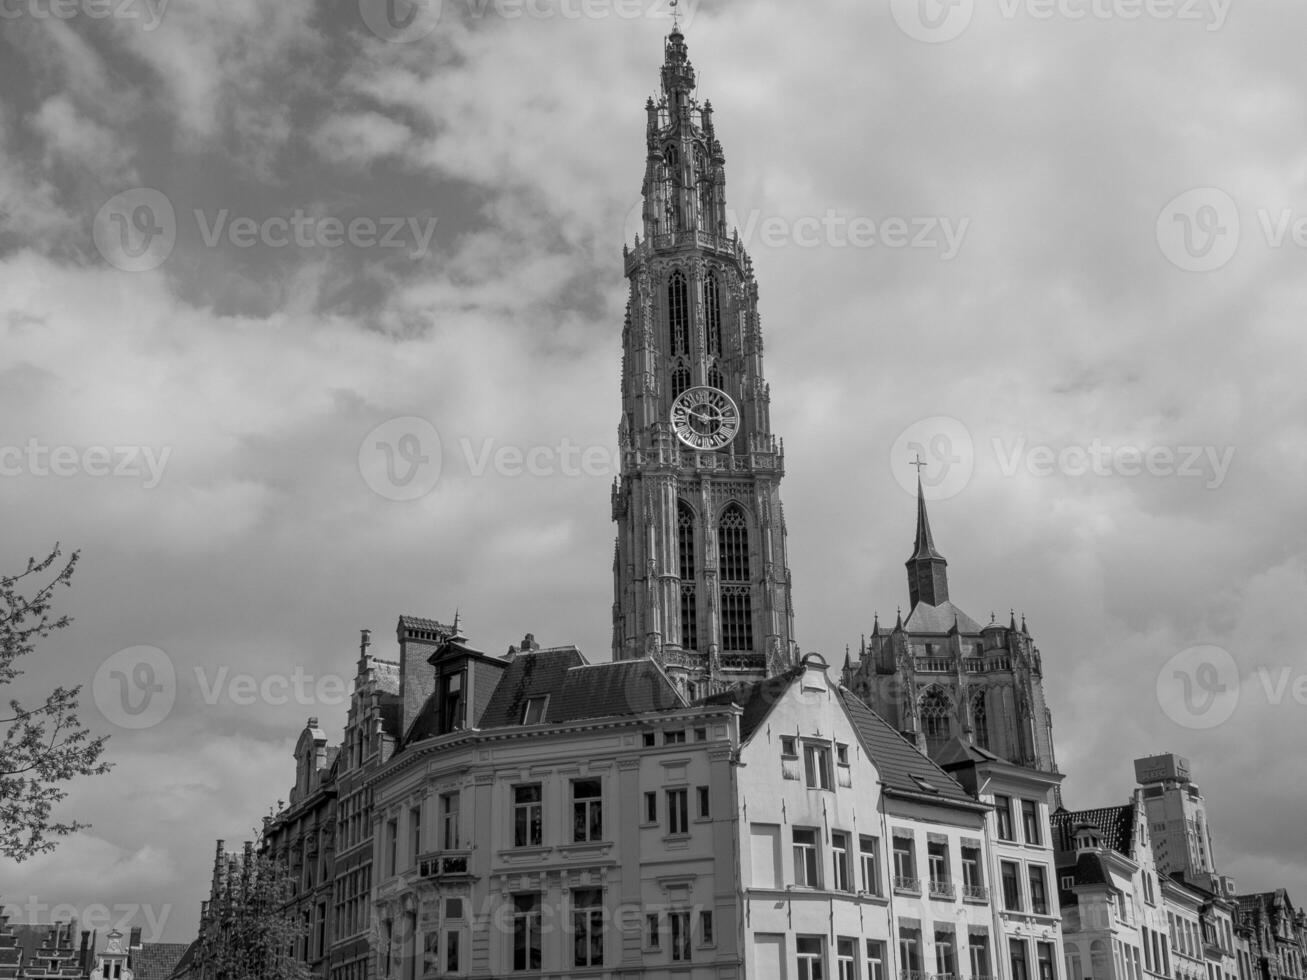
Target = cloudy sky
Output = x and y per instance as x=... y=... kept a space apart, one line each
x=341 y=301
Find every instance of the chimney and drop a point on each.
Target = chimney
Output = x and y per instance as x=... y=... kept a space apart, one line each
x=418 y=640
x=529 y=643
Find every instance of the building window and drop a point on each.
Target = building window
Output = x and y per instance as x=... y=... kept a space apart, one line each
x=905 y=867
x=934 y=717
x=869 y=849
x=910 y=951
x=451 y=717
x=587 y=810
x=678 y=812
x=846 y=958
x=588 y=925
x=841 y=754
x=392 y=847
x=1075 y=970
x=650 y=807
x=679 y=922
x=839 y=842
x=678 y=314
x=528 y=816
x=811 y=957
x=415 y=831
x=1038 y=890
x=816 y=766
x=789 y=747
x=980 y=720
x=973 y=876
x=1030 y=821
x=653 y=937
x=946 y=964
x=733 y=566
x=449 y=821
x=705 y=929
x=451 y=951
x=702 y=793
x=807 y=868
x=937 y=858
x=1011 y=885
x=526 y=932
x=1003 y=810
x=674 y=738
x=533 y=713
x=680 y=379
x=978 y=947
x=712 y=314
x=875 y=959
x=1017 y=957
x=685 y=538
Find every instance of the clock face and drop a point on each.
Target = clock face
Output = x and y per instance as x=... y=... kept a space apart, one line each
x=705 y=418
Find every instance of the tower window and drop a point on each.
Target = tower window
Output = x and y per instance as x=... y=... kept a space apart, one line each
x=736 y=593
x=689 y=583
x=680 y=379
x=678 y=314
x=980 y=720
x=715 y=376
x=934 y=718
x=712 y=315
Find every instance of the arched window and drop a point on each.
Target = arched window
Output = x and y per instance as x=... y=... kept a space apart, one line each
x=715 y=376
x=680 y=379
x=712 y=314
x=934 y=717
x=678 y=314
x=1098 y=963
x=736 y=592
x=706 y=197
x=672 y=188
x=980 y=720
x=688 y=572
x=1074 y=970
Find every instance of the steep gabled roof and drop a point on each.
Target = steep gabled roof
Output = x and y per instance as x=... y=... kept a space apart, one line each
x=901 y=766
x=756 y=699
x=1115 y=823
x=958 y=752
x=926 y=618
x=157 y=961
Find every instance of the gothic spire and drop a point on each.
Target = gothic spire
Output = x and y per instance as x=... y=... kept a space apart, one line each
x=927 y=568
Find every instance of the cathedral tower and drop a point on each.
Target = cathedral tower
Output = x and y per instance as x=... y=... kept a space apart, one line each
x=940 y=674
x=701 y=580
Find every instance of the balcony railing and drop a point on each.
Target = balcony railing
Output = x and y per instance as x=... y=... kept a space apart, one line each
x=911 y=975
x=902 y=883
x=934 y=665
x=976 y=893
x=941 y=888
x=438 y=865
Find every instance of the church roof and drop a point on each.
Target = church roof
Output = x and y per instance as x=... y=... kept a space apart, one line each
x=157 y=961
x=925 y=543
x=1115 y=823
x=926 y=618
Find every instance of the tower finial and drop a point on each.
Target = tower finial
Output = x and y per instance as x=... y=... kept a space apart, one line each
x=676 y=16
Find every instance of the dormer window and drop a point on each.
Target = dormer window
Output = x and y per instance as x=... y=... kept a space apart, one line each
x=452 y=703
x=534 y=711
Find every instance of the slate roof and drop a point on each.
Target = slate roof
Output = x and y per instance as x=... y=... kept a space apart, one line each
x=926 y=618
x=185 y=967
x=900 y=765
x=624 y=687
x=1087 y=869
x=1116 y=823
x=157 y=961
x=531 y=674
x=958 y=752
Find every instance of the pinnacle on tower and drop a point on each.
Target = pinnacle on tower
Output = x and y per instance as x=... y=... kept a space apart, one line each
x=927 y=568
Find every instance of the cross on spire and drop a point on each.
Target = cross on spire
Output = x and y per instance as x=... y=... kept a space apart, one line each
x=918 y=463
